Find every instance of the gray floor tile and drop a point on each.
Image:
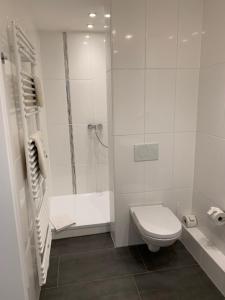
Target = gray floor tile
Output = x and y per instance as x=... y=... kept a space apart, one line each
x=99 y=264
x=182 y=284
x=81 y=244
x=52 y=272
x=168 y=257
x=111 y=289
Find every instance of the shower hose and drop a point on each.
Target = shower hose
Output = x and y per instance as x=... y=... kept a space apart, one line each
x=100 y=141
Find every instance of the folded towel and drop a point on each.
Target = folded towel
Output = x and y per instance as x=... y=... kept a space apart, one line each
x=61 y=222
x=42 y=155
x=39 y=91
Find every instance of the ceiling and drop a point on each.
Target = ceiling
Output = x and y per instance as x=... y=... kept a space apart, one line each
x=70 y=15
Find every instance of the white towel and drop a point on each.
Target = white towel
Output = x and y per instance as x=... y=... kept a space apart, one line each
x=42 y=155
x=39 y=91
x=61 y=222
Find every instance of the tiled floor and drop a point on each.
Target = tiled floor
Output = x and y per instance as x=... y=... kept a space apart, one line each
x=89 y=267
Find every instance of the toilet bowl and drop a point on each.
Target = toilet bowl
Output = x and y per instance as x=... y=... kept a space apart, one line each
x=157 y=224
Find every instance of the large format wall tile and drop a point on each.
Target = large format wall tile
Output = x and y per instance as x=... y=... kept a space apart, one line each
x=190 y=31
x=162 y=26
x=211 y=100
x=56 y=102
x=128 y=102
x=52 y=52
x=158 y=173
x=81 y=101
x=128 y=27
x=186 y=99
x=160 y=100
x=79 y=56
x=129 y=175
x=213 y=43
x=184 y=155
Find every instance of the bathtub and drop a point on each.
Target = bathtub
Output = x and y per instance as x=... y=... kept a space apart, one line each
x=91 y=213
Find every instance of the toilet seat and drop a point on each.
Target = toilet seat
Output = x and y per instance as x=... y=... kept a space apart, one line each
x=157 y=222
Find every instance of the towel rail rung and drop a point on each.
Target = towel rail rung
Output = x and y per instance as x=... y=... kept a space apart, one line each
x=24 y=35
x=25 y=42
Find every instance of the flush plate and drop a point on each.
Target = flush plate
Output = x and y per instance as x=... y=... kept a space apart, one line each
x=146 y=152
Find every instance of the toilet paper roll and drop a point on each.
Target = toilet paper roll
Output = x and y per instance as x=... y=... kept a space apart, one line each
x=217 y=216
x=190 y=221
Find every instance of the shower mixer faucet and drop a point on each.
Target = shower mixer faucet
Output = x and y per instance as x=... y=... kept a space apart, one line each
x=95 y=126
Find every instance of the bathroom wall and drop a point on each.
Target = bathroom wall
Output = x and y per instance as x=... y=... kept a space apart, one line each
x=87 y=73
x=209 y=187
x=155 y=69
x=19 y=11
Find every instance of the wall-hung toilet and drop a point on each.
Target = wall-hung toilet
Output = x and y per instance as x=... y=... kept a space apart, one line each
x=157 y=224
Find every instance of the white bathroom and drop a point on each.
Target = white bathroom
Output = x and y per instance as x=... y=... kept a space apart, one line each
x=112 y=126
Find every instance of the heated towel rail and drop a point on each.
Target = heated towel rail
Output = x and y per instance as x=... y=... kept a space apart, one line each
x=26 y=61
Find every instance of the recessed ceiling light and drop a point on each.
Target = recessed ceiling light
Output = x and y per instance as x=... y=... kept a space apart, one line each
x=128 y=36
x=85 y=43
x=106 y=26
x=107 y=16
x=87 y=36
x=90 y=26
x=92 y=15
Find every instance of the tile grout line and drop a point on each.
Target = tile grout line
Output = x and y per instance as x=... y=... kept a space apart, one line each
x=97 y=280
x=147 y=272
x=135 y=283
x=83 y=252
x=142 y=259
x=57 y=284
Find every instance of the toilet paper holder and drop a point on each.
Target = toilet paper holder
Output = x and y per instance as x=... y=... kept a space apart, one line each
x=216 y=215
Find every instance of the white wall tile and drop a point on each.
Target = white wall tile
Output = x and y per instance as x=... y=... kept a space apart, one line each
x=85 y=144
x=61 y=178
x=211 y=100
x=183 y=199
x=162 y=30
x=59 y=156
x=125 y=229
x=128 y=101
x=129 y=175
x=158 y=173
x=86 y=178
x=213 y=43
x=79 y=56
x=209 y=170
x=160 y=100
x=97 y=54
x=184 y=154
x=189 y=38
x=98 y=97
x=186 y=99
x=82 y=102
x=128 y=18
x=52 y=52
x=101 y=152
x=102 y=177
x=56 y=102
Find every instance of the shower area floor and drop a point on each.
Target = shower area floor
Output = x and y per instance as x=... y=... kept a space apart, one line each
x=91 y=213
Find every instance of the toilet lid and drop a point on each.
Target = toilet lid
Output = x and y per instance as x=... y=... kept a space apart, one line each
x=157 y=221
